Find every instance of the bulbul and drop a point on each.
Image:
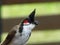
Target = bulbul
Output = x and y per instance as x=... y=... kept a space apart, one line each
x=20 y=33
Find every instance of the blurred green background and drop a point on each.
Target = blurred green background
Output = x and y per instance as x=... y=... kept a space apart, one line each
x=21 y=10
x=42 y=9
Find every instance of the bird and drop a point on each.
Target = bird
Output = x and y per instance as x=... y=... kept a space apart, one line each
x=20 y=34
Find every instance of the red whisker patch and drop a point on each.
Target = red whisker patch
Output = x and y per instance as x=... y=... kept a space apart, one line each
x=26 y=22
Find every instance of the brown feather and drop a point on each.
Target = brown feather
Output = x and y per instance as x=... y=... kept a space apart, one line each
x=9 y=38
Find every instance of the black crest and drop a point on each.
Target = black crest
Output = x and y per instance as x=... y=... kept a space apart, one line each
x=29 y=19
x=32 y=15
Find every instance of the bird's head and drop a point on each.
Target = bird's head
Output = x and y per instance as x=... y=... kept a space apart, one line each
x=29 y=22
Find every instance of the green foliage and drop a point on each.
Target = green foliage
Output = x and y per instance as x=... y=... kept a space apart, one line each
x=21 y=10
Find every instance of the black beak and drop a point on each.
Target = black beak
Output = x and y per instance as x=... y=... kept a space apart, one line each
x=36 y=22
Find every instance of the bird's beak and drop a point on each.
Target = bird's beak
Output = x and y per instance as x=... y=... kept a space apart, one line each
x=32 y=15
x=36 y=22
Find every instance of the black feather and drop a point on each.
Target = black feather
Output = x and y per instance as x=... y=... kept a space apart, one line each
x=32 y=15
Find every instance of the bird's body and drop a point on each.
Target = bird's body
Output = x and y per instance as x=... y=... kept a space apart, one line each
x=19 y=38
x=20 y=33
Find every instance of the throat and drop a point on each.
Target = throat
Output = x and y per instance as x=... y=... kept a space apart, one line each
x=26 y=30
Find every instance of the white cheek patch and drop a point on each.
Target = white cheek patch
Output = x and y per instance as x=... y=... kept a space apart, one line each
x=26 y=23
x=32 y=26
